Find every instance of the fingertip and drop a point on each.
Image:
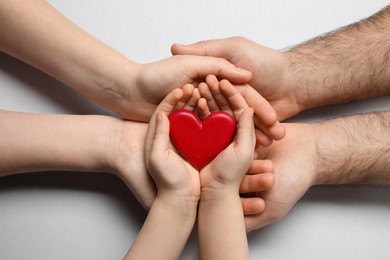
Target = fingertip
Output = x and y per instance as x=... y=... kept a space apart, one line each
x=253 y=206
x=275 y=131
x=268 y=165
x=161 y=120
x=279 y=131
x=262 y=139
x=211 y=78
x=268 y=180
x=175 y=48
x=261 y=166
x=188 y=87
x=212 y=81
x=177 y=93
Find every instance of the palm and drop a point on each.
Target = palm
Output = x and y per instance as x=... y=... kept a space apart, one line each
x=294 y=164
x=177 y=175
x=228 y=159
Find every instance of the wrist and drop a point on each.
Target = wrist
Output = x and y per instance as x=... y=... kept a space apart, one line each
x=219 y=194
x=354 y=150
x=124 y=147
x=299 y=89
x=185 y=207
x=117 y=85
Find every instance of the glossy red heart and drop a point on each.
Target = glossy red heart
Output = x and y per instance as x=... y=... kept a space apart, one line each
x=199 y=142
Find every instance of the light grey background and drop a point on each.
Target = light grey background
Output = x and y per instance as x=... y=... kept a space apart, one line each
x=64 y=215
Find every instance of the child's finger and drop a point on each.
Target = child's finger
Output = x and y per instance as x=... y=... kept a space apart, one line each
x=245 y=141
x=219 y=97
x=236 y=101
x=169 y=102
x=257 y=182
x=252 y=206
x=263 y=109
x=188 y=90
x=208 y=96
x=203 y=108
x=160 y=138
x=275 y=131
x=166 y=106
x=261 y=166
x=192 y=102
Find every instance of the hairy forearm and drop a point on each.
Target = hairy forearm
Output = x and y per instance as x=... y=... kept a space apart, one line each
x=39 y=142
x=354 y=150
x=221 y=226
x=35 y=32
x=347 y=64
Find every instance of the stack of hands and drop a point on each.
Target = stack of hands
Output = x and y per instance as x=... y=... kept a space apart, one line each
x=257 y=178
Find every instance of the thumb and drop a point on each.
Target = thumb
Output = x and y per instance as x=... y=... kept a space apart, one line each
x=160 y=141
x=245 y=141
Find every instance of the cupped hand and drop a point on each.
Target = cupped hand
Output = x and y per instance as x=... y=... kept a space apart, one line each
x=269 y=69
x=223 y=96
x=155 y=80
x=173 y=175
x=227 y=170
x=294 y=171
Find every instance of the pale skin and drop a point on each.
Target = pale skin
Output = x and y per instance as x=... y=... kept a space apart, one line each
x=36 y=33
x=221 y=226
x=348 y=64
x=173 y=211
x=43 y=142
x=180 y=187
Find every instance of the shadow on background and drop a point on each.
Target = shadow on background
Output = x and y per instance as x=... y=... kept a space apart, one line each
x=341 y=196
x=104 y=183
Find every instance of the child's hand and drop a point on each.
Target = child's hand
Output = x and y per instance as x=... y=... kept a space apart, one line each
x=226 y=97
x=227 y=170
x=176 y=180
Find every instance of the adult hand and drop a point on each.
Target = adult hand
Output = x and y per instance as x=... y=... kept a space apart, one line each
x=155 y=80
x=269 y=69
x=294 y=171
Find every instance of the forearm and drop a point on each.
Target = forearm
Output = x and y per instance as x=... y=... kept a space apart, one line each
x=354 y=150
x=35 y=32
x=348 y=64
x=221 y=227
x=165 y=231
x=39 y=142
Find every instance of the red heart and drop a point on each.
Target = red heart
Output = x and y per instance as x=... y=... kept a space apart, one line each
x=200 y=142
